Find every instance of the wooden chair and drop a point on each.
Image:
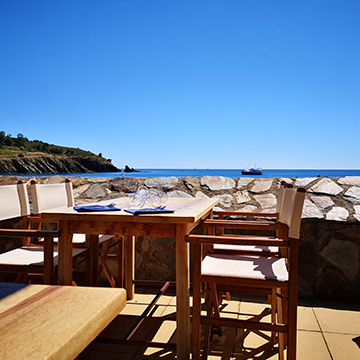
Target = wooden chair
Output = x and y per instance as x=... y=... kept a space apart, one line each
x=225 y=221
x=30 y=257
x=258 y=222
x=47 y=196
x=251 y=274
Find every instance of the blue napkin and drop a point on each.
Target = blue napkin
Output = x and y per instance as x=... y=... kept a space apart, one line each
x=96 y=208
x=148 y=211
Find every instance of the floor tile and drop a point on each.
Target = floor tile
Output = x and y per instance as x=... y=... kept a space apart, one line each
x=306 y=319
x=338 y=321
x=311 y=346
x=343 y=346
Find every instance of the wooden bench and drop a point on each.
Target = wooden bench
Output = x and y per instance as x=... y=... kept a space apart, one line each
x=57 y=322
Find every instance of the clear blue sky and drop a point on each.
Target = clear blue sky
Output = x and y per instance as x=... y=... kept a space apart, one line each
x=184 y=84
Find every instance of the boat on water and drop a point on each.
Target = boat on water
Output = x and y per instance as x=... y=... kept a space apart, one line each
x=252 y=171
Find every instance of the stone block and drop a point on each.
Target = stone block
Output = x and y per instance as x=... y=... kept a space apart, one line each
x=166 y=183
x=326 y=186
x=261 y=185
x=242 y=197
x=310 y=210
x=215 y=183
x=332 y=286
x=200 y=194
x=192 y=183
x=178 y=194
x=244 y=182
x=353 y=195
x=322 y=202
x=302 y=182
x=125 y=184
x=337 y=213
x=350 y=180
x=343 y=254
x=357 y=212
x=95 y=191
x=266 y=201
x=79 y=190
x=225 y=200
x=249 y=208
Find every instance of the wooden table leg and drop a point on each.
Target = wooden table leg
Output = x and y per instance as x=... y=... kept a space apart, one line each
x=65 y=254
x=182 y=294
x=129 y=266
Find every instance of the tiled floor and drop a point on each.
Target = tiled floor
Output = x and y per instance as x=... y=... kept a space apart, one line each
x=325 y=332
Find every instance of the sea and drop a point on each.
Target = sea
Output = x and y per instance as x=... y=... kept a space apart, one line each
x=231 y=173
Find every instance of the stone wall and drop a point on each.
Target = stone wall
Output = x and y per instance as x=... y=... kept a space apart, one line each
x=330 y=229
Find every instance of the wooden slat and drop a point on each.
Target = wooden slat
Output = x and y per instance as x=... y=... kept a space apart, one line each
x=235 y=224
x=244 y=282
x=28 y=233
x=236 y=240
x=123 y=228
x=243 y=324
x=245 y=214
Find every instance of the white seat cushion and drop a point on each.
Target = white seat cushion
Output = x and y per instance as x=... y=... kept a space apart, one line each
x=81 y=238
x=251 y=267
x=30 y=255
x=271 y=249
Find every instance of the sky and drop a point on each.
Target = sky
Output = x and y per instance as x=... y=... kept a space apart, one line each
x=198 y=84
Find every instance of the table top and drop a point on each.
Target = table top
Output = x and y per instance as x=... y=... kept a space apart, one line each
x=186 y=210
x=53 y=322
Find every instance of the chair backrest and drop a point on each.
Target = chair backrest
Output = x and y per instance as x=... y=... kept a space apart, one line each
x=48 y=196
x=291 y=210
x=14 y=201
x=280 y=197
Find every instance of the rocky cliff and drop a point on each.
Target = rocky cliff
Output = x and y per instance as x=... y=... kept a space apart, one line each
x=53 y=164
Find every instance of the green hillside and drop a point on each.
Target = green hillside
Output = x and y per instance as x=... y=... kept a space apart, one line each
x=21 y=155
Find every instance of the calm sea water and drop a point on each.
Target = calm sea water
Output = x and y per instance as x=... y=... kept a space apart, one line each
x=232 y=173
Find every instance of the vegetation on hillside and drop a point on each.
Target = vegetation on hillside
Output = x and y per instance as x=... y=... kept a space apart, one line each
x=21 y=145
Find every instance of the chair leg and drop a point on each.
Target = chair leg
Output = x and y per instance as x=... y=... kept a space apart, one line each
x=21 y=278
x=292 y=308
x=213 y=310
x=281 y=339
x=120 y=262
x=103 y=267
x=273 y=303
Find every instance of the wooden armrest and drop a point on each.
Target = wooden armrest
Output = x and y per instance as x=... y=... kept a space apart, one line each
x=235 y=240
x=245 y=213
x=235 y=224
x=29 y=233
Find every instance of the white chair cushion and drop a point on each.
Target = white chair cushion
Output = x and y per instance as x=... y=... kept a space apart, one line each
x=251 y=267
x=29 y=255
x=81 y=238
x=272 y=249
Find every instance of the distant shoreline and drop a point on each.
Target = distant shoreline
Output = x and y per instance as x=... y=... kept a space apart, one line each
x=231 y=173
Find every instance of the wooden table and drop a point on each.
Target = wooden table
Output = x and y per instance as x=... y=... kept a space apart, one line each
x=53 y=322
x=188 y=214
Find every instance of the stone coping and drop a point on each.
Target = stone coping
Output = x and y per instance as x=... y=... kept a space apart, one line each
x=336 y=199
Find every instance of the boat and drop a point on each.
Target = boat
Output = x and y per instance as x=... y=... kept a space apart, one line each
x=252 y=171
